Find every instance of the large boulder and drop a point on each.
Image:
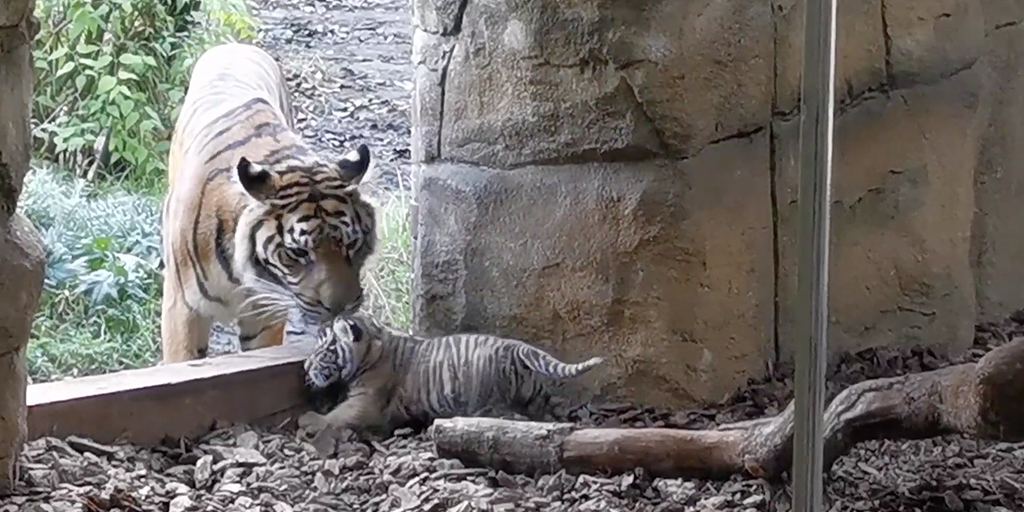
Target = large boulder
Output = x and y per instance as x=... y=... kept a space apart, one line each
x=22 y=257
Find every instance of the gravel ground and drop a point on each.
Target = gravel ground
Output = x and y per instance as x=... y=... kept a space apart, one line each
x=279 y=470
x=348 y=66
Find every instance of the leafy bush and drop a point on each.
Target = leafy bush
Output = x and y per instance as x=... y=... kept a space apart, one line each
x=100 y=306
x=121 y=65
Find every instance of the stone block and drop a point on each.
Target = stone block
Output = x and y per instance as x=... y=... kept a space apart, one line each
x=13 y=12
x=16 y=137
x=932 y=39
x=441 y=17
x=13 y=429
x=860 y=50
x=621 y=84
x=664 y=267
x=902 y=208
x=997 y=244
x=431 y=55
x=22 y=268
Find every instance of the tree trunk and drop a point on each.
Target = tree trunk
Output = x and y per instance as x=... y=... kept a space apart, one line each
x=980 y=399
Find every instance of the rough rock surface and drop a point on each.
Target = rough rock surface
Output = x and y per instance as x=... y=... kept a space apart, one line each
x=241 y=469
x=610 y=269
x=22 y=257
x=997 y=247
x=901 y=219
x=592 y=210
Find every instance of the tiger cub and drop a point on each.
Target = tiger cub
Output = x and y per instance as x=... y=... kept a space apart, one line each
x=397 y=380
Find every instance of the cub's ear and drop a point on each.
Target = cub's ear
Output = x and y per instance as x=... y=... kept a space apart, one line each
x=355 y=327
x=256 y=180
x=352 y=167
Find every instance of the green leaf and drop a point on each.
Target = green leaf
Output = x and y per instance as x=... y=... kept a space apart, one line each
x=131 y=119
x=105 y=84
x=58 y=53
x=66 y=68
x=130 y=59
x=126 y=105
x=80 y=81
x=126 y=75
x=140 y=154
x=104 y=60
x=102 y=243
x=76 y=142
x=84 y=48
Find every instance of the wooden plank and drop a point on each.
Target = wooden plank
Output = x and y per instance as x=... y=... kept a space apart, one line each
x=178 y=400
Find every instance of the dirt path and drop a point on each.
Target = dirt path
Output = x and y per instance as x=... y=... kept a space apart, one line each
x=348 y=63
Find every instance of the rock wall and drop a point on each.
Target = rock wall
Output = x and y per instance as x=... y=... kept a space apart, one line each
x=620 y=178
x=22 y=257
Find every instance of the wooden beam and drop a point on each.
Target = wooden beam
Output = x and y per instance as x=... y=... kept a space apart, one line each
x=178 y=400
x=981 y=400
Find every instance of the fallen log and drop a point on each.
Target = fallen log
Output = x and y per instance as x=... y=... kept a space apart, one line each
x=982 y=400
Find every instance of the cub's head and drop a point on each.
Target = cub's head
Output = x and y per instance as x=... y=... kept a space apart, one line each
x=343 y=346
x=307 y=236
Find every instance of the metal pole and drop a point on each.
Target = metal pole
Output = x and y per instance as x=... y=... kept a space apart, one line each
x=816 y=122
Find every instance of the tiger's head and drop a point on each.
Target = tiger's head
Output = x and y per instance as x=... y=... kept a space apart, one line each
x=343 y=345
x=306 y=237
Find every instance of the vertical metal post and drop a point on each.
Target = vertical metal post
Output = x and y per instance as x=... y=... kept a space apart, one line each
x=816 y=104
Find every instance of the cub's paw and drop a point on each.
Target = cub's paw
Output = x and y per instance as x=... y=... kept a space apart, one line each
x=312 y=421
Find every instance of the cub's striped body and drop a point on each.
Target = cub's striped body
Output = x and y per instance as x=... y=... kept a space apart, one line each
x=395 y=379
x=255 y=224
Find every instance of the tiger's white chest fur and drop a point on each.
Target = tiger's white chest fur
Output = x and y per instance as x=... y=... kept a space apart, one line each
x=405 y=381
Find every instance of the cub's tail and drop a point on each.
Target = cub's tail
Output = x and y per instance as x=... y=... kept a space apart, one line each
x=546 y=364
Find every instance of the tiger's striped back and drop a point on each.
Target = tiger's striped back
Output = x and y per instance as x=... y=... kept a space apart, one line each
x=463 y=374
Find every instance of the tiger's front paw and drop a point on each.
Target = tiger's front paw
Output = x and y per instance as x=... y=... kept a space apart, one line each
x=311 y=421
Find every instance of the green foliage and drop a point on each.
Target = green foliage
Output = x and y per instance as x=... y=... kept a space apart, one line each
x=122 y=65
x=100 y=306
x=388 y=276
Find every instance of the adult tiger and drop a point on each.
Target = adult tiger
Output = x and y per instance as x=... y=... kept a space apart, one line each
x=255 y=223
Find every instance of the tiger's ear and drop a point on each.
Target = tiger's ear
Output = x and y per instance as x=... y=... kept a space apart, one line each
x=256 y=180
x=353 y=166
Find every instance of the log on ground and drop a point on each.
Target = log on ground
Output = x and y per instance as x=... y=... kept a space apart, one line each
x=981 y=400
